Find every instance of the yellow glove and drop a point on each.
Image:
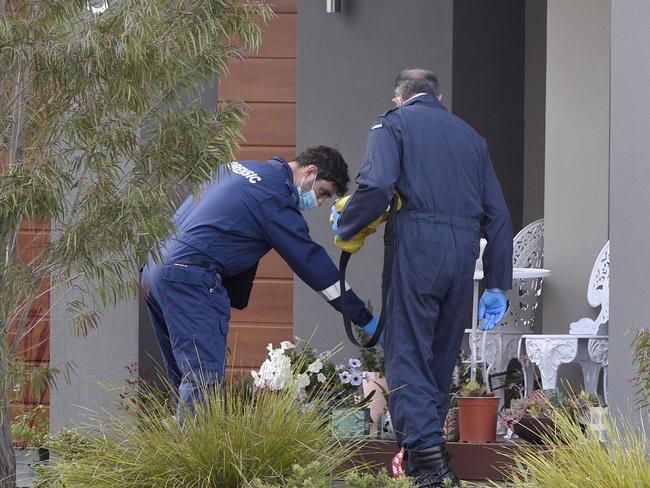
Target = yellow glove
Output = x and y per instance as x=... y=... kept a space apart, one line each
x=354 y=244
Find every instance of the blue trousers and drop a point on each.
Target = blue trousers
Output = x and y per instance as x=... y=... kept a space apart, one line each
x=189 y=310
x=428 y=307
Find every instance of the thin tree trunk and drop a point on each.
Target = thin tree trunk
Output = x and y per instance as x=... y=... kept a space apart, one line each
x=7 y=455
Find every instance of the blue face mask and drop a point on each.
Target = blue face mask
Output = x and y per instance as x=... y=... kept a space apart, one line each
x=307 y=200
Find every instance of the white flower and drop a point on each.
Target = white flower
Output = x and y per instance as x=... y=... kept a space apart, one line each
x=302 y=380
x=321 y=378
x=275 y=373
x=315 y=367
x=286 y=345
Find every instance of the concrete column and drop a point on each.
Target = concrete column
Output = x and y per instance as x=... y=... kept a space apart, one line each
x=629 y=190
x=577 y=154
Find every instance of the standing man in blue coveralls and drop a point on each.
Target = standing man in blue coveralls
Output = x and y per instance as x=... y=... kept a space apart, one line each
x=209 y=264
x=450 y=195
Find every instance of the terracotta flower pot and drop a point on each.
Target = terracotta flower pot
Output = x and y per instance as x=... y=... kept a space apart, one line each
x=375 y=382
x=531 y=429
x=477 y=419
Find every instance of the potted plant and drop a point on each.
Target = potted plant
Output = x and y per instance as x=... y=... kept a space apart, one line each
x=350 y=416
x=477 y=413
x=529 y=418
x=590 y=412
x=30 y=431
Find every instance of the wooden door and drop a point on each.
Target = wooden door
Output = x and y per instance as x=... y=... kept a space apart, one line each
x=266 y=82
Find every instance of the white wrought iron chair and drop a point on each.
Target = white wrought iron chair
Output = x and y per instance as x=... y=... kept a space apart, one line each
x=586 y=343
x=495 y=348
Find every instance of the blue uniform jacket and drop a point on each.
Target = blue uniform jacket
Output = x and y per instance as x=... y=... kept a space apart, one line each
x=439 y=165
x=245 y=211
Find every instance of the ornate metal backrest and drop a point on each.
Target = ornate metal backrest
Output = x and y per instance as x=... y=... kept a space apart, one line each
x=598 y=289
x=527 y=252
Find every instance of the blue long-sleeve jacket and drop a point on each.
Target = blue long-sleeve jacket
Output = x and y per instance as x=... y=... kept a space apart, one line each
x=248 y=209
x=440 y=165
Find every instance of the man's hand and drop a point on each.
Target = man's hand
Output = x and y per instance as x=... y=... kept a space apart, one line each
x=371 y=327
x=334 y=218
x=492 y=308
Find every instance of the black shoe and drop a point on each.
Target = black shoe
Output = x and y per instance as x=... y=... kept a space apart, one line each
x=444 y=478
x=432 y=468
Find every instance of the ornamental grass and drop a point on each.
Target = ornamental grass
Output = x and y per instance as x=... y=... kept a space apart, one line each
x=240 y=437
x=576 y=458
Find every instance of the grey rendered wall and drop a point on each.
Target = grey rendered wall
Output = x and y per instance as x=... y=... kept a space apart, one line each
x=346 y=66
x=630 y=184
x=100 y=358
x=577 y=154
x=123 y=338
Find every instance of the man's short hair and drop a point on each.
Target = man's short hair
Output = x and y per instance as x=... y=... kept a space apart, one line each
x=331 y=166
x=413 y=81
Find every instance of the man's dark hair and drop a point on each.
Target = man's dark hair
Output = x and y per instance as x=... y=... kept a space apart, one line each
x=413 y=81
x=331 y=166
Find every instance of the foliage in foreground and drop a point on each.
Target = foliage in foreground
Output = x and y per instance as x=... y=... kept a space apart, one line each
x=641 y=357
x=99 y=129
x=576 y=458
x=308 y=477
x=242 y=436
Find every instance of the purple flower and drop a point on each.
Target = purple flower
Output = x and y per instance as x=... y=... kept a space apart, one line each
x=356 y=379
x=345 y=377
x=338 y=368
x=354 y=363
x=324 y=355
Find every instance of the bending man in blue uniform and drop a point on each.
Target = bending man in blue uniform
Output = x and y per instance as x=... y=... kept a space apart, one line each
x=450 y=194
x=209 y=264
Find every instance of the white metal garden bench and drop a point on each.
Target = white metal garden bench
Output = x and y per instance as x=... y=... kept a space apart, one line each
x=586 y=343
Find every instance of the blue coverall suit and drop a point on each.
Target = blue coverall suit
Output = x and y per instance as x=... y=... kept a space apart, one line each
x=441 y=169
x=221 y=234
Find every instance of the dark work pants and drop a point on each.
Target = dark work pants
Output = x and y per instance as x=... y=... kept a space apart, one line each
x=189 y=310
x=428 y=309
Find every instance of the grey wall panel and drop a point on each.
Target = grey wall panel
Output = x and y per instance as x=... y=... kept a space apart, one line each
x=488 y=72
x=629 y=197
x=100 y=358
x=577 y=154
x=346 y=66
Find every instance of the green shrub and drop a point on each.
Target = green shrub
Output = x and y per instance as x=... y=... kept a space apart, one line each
x=242 y=434
x=576 y=458
x=309 y=477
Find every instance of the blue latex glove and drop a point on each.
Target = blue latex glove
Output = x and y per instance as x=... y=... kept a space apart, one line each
x=492 y=308
x=335 y=221
x=371 y=327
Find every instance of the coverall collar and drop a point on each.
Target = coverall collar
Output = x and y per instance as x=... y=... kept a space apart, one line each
x=426 y=99
x=283 y=165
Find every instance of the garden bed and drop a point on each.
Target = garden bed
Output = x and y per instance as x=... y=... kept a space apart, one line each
x=476 y=462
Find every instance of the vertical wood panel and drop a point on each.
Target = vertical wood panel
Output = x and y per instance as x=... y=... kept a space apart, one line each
x=266 y=80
